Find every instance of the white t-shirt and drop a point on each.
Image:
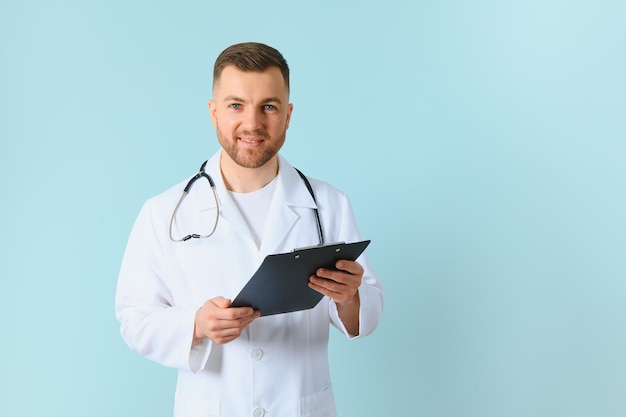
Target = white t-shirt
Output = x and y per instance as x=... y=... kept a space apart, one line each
x=254 y=208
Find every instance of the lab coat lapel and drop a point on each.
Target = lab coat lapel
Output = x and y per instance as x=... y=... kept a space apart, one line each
x=282 y=217
x=280 y=220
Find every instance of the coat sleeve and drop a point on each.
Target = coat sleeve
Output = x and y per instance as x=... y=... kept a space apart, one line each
x=151 y=324
x=371 y=291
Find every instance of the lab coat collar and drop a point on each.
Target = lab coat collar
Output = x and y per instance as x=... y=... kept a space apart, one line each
x=290 y=193
x=290 y=188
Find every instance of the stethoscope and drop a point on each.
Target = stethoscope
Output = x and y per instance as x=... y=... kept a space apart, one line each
x=202 y=174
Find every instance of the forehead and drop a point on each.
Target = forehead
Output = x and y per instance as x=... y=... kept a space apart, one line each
x=233 y=81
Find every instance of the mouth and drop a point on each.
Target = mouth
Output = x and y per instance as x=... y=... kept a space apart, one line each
x=250 y=140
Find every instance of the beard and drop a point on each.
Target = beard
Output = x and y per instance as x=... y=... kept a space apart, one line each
x=251 y=158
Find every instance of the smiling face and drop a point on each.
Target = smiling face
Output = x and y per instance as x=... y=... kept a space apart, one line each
x=251 y=112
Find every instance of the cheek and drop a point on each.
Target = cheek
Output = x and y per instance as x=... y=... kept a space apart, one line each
x=225 y=124
x=280 y=125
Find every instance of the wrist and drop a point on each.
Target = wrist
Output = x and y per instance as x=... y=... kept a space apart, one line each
x=353 y=303
x=197 y=334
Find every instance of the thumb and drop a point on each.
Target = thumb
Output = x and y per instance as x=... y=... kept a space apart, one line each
x=221 y=302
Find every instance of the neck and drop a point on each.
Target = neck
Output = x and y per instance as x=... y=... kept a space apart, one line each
x=246 y=180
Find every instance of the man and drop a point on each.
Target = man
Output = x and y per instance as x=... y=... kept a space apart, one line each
x=174 y=298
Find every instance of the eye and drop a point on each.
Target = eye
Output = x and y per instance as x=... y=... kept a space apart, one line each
x=269 y=107
x=235 y=106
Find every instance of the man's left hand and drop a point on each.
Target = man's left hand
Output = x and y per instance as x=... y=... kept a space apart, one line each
x=342 y=284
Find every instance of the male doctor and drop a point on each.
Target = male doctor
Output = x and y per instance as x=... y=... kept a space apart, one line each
x=174 y=298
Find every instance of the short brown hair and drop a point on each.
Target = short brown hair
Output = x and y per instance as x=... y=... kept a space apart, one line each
x=250 y=56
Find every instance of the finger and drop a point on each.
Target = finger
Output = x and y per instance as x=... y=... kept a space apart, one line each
x=212 y=311
x=343 y=294
x=218 y=326
x=232 y=317
x=337 y=291
x=246 y=320
x=341 y=277
x=352 y=267
x=234 y=325
x=313 y=284
x=327 y=283
x=229 y=312
x=243 y=313
x=342 y=266
x=329 y=274
x=225 y=335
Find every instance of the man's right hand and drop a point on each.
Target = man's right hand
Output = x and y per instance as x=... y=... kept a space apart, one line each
x=220 y=322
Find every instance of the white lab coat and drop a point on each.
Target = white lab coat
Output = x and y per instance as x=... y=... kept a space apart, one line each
x=279 y=366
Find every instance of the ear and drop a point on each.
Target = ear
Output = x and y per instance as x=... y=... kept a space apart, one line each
x=289 y=110
x=213 y=112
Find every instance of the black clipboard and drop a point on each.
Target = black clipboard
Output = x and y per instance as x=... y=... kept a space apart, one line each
x=280 y=284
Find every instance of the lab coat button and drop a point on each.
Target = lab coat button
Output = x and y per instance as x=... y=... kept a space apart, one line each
x=256 y=354
x=258 y=412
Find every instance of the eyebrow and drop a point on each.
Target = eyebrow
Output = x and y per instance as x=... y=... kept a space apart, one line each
x=264 y=101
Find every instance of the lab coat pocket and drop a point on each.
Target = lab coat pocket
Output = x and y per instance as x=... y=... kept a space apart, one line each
x=188 y=406
x=321 y=404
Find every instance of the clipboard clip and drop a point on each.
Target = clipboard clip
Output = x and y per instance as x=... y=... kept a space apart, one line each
x=318 y=246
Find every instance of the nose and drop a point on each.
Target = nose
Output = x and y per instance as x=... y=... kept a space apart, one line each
x=253 y=119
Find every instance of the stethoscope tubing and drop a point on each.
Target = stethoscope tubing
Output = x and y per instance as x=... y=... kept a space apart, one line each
x=202 y=174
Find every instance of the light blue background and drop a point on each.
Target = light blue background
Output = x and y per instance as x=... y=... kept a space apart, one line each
x=482 y=144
